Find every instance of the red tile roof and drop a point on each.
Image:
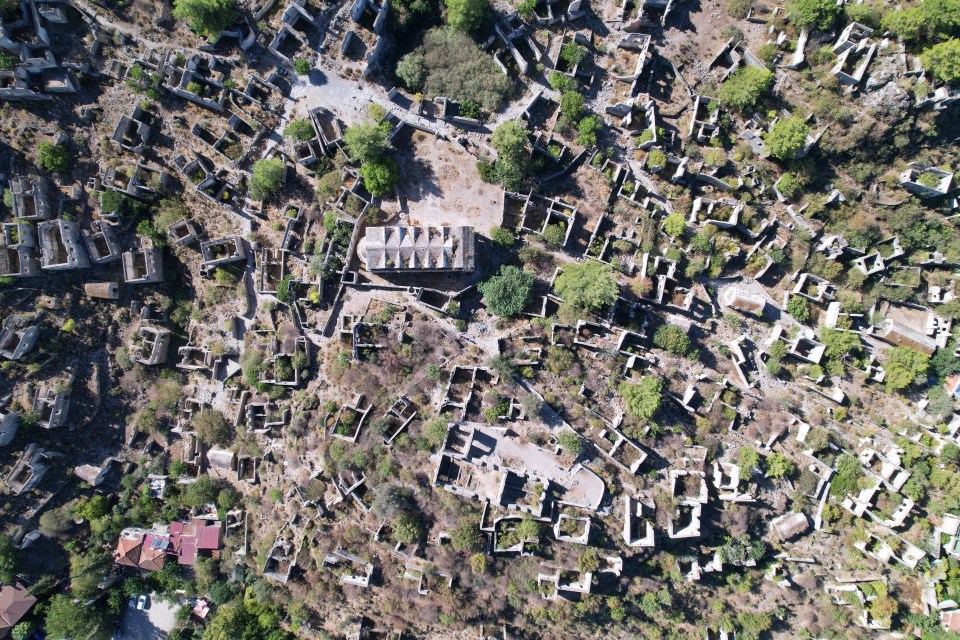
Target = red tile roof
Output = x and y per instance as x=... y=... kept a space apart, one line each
x=15 y=602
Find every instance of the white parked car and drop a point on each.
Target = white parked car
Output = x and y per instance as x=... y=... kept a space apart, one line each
x=142 y=601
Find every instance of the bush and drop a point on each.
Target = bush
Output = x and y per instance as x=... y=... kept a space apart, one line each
x=205 y=17
x=561 y=82
x=868 y=14
x=813 y=14
x=672 y=338
x=300 y=130
x=789 y=186
x=778 y=465
x=526 y=9
x=507 y=293
x=571 y=107
x=502 y=237
x=457 y=68
x=572 y=53
x=714 y=157
x=743 y=88
x=787 y=138
x=642 y=399
x=301 y=67
x=739 y=9
x=467 y=15
x=570 y=441
x=908 y=24
x=587 y=285
x=555 y=234
x=588 y=129
x=943 y=60
x=53 y=157
x=675 y=225
x=799 y=308
x=268 y=173
x=656 y=159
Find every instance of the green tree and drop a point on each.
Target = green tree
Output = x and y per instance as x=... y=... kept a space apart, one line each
x=205 y=17
x=507 y=293
x=743 y=88
x=943 y=60
x=941 y=18
x=778 y=465
x=787 y=138
x=478 y=563
x=511 y=141
x=22 y=631
x=674 y=225
x=300 y=130
x=67 y=620
x=53 y=157
x=366 y=142
x=656 y=159
x=847 y=478
x=467 y=537
x=268 y=174
x=799 y=308
x=908 y=24
x=643 y=398
x=672 y=338
x=412 y=70
x=526 y=9
x=379 y=175
x=8 y=561
x=589 y=285
x=528 y=530
x=468 y=15
x=813 y=14
x=407 y=528
x=589 y=560
x=904 y=366
x=572 y=53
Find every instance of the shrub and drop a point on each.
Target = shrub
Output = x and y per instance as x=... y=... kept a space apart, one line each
x=555 y=234
x=813 y=14
x=778 y=465
x=588 y=285
x=789 y=186
x=572 y=53
x=53 y=157
x=787 y=138
x=561 y=82
x=672 y=338
x=268 y=173
x=588 y=129
x=799 y=308
x=739 y=9
x=867 y=13
x=300 y=130
x=506 y=293
x=571 y=106
x=205 y=17
x=502 y=237
x=656 y=159
x=570 y=441
x=642 y=399
x=908 y=24
x=526 y=9
x=743 y=89
x=212 y=428
x=675 y=225
x=301 y=67
x=714 y=157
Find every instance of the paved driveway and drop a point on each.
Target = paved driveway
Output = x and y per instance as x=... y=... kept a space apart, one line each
x=151 y=623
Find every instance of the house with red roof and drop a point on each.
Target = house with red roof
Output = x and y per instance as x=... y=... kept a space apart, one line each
x=149 y=549
x=15 y=602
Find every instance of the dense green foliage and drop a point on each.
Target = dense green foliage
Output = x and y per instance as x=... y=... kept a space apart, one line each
x=205 y=17
x=468 y=15
x=943 y=60
x=511 y=142
x=507 y=293
x=642 y=398
x=379 y=175
x=268 y=174
x=53 y=157
x=904 y=366
x=8 y=561
x=300 y=130
x=672 y=338
x=450 y=64
x=787 y=138
x=813 y=14
x=589 y=285
x=743 y=89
